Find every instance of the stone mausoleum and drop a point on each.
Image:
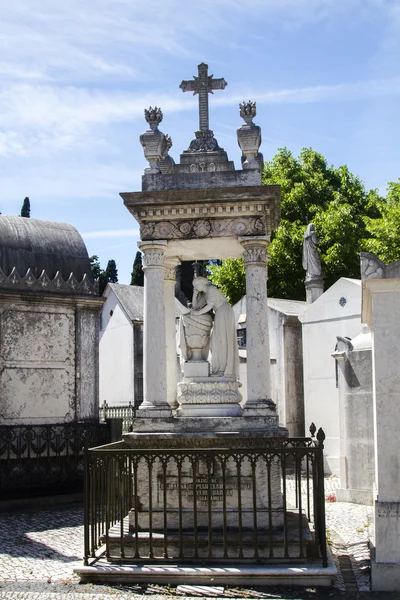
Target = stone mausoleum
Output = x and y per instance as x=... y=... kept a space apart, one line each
x=49 y=324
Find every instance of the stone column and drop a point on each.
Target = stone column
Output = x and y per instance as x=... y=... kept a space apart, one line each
x=154 y=347
x=170 y=330
x=381 y=311
x=257 y=334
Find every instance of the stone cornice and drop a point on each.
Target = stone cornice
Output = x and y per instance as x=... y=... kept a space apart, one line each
x=263 y=193
x=225 y=212
x=371 y=287
x=44 y=285
x=79 y=302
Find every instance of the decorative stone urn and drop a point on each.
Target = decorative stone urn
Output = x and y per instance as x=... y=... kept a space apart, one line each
x=249 y=136
x=197 y=329
x=153 y=140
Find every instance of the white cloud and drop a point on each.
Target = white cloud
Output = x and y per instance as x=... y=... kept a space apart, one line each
x=42 y=119
x=110 y=233
x=122 y=39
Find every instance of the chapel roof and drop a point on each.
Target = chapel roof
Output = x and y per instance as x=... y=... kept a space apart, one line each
x=43 y=256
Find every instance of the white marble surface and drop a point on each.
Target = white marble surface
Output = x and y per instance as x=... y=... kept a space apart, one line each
x=381 y=311
x=170 y=330
x=258 y=363
x=154 y=343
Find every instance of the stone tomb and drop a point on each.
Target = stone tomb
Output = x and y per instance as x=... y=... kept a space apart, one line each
x=201 y=209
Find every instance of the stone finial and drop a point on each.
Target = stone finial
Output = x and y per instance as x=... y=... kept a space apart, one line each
x=153 y=116
x=249 y=136
x=248 y=111
x=153 y=140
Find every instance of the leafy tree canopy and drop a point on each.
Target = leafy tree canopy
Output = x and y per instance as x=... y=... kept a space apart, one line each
x=229 y=277
x=385 y=230
x=334 y=199
x=137 y=275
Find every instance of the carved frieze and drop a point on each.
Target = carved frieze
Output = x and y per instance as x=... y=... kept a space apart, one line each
x=202 y=228
x=43 y=283
x=213 y=392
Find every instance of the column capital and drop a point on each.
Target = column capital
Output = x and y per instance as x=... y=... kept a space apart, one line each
x=255 y=250
x=153 y=253
x=170 y=264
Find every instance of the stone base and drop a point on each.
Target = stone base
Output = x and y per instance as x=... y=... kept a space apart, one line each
x=196 y=369
x=208 y=396
x=385 y=577
x=309 y=573
x=387 y=532
x=314 y=289
x=354 y=496
x=264 y=540
x=202 y=427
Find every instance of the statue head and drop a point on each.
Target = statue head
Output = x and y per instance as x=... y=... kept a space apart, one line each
x=200 y=284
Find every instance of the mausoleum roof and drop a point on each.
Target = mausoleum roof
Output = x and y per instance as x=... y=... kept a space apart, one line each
x=43 y=256
x=284 y=306
x=131 y=299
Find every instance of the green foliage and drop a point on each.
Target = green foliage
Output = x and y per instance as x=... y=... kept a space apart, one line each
x=385 y=230
x=95 y=266
x=110 y=274
x=26 y=208
x=338 y=204
x=137 y=276
x=230 y=278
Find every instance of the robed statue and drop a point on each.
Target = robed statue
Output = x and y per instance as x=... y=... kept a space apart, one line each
x=196 y=338
x=311 y=257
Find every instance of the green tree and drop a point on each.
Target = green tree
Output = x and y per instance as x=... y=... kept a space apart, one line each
x=109 y=274
x=229 y=277
x=26 y=208
x=137 y=276
x=111 y=271
x=95 y=266
x=335 y=200
x=385 y=230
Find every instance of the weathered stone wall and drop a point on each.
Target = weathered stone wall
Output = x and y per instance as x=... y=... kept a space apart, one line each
x=48 y=359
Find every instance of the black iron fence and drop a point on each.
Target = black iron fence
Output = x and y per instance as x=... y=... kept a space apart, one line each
x=45 y=459
x=252 y=500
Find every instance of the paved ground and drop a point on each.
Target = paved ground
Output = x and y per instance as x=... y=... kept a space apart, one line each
x=40 y=548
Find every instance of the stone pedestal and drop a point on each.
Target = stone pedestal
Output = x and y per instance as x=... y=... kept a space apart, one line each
x=314 y=289
x=381 y=311
x=209 y=397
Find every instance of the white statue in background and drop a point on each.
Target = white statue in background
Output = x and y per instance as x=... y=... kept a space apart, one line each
x=311 y=257
x=196 y=326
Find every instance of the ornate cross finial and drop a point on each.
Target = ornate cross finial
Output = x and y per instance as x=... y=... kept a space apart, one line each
x=203 y=85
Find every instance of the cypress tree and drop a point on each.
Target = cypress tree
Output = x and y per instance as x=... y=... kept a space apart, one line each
x=137 y=276
x=26 y=208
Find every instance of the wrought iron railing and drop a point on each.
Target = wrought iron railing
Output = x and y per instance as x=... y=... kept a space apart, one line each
x=252 y=500
x=126 y=412
x=42 y=459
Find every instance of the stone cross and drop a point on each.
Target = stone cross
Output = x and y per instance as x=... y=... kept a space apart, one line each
x=203 y=85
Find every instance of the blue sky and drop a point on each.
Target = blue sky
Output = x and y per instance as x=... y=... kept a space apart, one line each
x=75 y=77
